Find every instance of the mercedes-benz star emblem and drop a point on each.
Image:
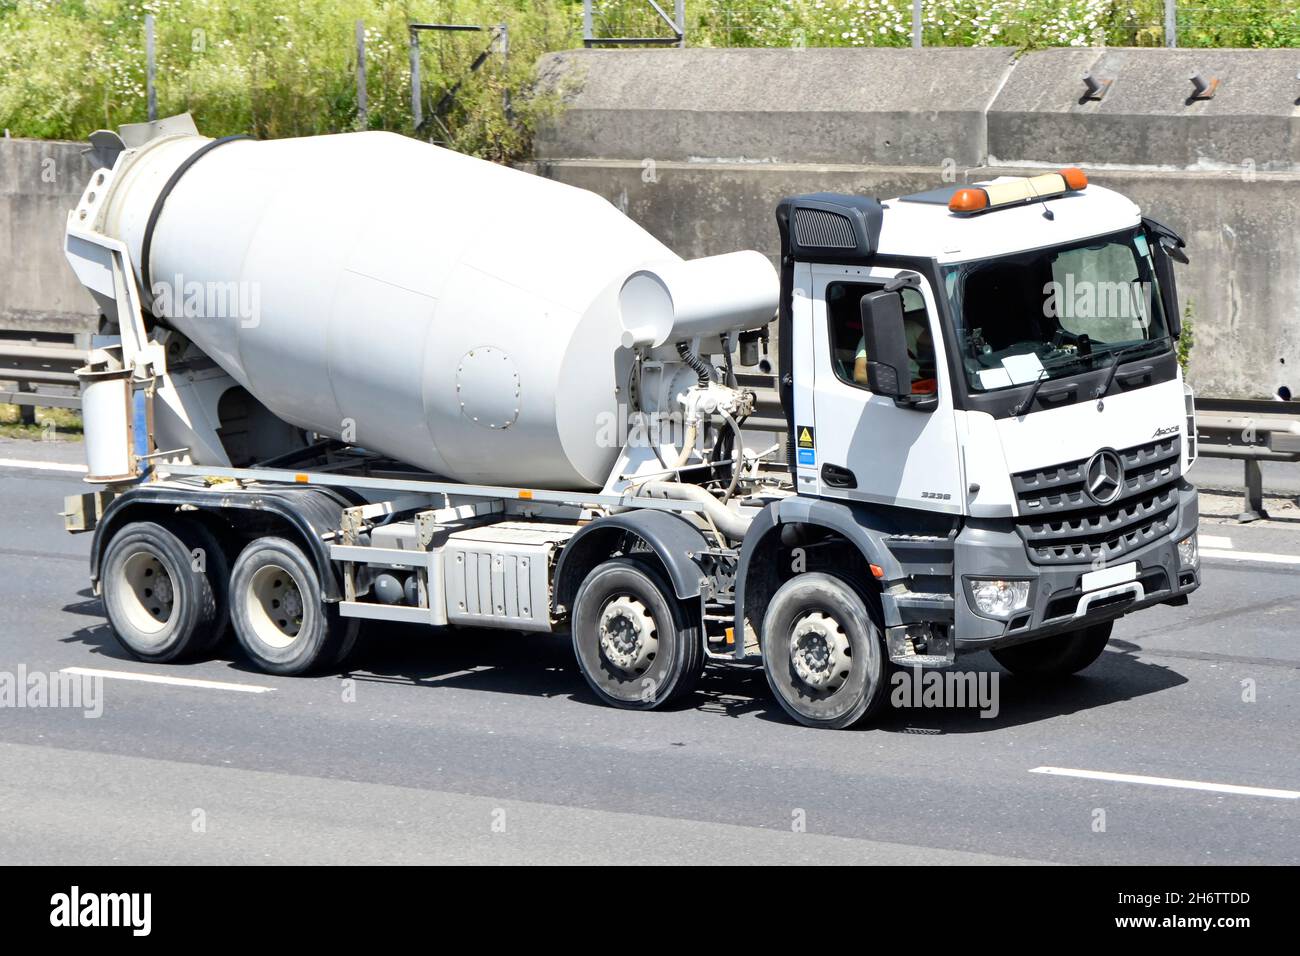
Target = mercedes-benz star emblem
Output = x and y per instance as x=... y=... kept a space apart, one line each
x=1104 y=476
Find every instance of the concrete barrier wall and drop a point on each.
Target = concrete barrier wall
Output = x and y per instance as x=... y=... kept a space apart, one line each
x=776 y=106
x=699 y=145
x=1148 y=116
x=39 y=182
x=1223 y=172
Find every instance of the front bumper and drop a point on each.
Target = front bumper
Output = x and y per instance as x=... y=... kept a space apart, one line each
x=994 y=549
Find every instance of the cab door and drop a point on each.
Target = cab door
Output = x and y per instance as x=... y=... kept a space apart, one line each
x=850 y=443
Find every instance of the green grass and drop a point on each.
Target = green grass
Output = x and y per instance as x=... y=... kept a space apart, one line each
x=287 y=67
x=52 y=424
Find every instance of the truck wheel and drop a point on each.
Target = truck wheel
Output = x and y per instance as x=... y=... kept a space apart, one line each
x=637 y=645
x=216 y=567
x=276 y=606
x=1058 y=656
x=351 y=628
x=823 y=653
x=160 y=609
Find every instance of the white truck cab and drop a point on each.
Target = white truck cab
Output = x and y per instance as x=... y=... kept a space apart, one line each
x=984 y=379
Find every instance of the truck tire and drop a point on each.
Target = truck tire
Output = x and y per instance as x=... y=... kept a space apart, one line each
x=276 y=606
x=197 y=537
x=637 y=645
x=160 y=609
x=1054 y=657
x=823 y=653
x=351 y=628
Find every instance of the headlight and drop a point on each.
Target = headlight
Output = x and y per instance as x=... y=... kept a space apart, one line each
x=999 y=598
x=1187 y=554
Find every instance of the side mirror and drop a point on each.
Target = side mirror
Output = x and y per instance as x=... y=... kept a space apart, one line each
x=1166 y=249
x=885 y=339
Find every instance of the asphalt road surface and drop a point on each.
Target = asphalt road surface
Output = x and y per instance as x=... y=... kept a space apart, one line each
x=1181 y=745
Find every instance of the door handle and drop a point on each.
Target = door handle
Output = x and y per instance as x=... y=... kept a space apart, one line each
x=838 y=477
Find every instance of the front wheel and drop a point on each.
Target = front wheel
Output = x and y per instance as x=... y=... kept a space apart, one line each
x=637 y=645
x=1059 y=656
x=278 y=611
x=823 y=653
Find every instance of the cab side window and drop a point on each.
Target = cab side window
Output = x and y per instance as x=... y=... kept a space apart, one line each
x=848 y=348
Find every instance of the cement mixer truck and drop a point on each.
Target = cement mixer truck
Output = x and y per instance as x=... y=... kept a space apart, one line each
x=360 y=378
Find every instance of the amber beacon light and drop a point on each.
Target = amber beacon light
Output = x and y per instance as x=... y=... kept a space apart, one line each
x=1012 y=191
x=1075 y=178
x=971 y=199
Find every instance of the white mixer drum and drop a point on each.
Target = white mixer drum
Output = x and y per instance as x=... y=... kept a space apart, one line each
x=452 y=313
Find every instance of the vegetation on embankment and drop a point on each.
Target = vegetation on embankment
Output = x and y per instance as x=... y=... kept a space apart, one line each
x=288 y=67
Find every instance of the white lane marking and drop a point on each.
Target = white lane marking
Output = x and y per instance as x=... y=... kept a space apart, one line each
x=1260 y=556
x=41 y=465
x=1211 y=541
x=160 y=679
x=1170 y=782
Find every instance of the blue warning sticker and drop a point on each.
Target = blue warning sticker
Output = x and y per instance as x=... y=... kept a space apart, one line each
x=807 y=456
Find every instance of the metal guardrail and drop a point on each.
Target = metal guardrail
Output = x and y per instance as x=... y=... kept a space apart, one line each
x=1251 y=430
x=41 y=369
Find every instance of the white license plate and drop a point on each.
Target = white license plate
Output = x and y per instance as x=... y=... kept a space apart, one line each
x=1107 y=577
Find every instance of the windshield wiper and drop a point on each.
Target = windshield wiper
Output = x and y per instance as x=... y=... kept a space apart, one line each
x=1028 y=403
x=1061 y=362
x=1113 y=367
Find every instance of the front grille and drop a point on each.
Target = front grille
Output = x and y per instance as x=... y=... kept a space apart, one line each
x=1060 y=524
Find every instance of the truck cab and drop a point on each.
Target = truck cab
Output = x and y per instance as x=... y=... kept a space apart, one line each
x=984 y=392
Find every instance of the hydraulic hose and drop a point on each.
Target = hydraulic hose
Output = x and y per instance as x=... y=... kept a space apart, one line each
x=730 y=523
x=739 y=460
x=688 y=442
x=697 y=364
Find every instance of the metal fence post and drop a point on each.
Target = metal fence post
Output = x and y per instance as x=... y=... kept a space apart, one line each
x=679 y=14
x=363 y=114
x=150 y=68
x=417 y=113
x=1171 y=23
x=916 y=24
x=505 y=69
x=1254 y=507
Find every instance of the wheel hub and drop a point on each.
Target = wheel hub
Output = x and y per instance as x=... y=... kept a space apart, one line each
x=819 y=651
x=150 y=593
x=292 y=602
x=628 y=639
x=275 y=606
x=162 y=589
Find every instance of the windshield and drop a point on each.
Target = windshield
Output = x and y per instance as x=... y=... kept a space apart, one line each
x=1054 y=312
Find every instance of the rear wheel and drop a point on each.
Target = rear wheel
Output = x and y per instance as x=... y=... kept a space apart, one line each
x=278 y=611
x=1057 y=656
x=638 y=646
x=208 y=557
x=161 y=606
x=823 y=653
